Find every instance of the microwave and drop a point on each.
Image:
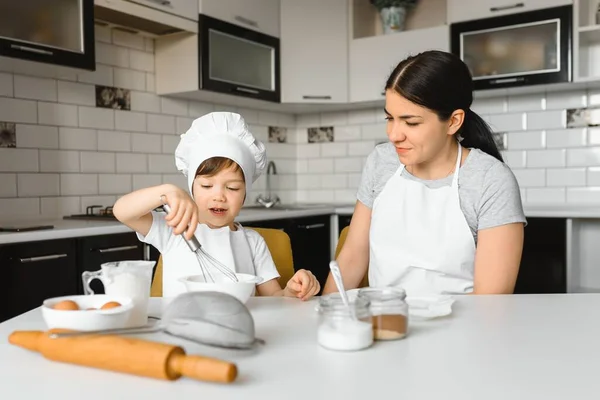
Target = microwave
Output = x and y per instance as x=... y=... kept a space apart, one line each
x=238 y=61
x=523 y=49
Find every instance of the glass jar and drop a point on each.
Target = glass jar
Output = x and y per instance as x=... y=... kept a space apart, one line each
x=342 y=329
x=389 y=311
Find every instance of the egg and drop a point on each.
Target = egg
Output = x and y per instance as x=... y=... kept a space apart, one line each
x=67 y=305
x=110 y=304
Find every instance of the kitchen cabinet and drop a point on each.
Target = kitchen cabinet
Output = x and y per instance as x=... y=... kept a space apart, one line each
x=468 y=10
x=258 y=15
x=93 y=251
x=183 y=8
x=310 y=238
x=50 y=32
x=343 y=221
x=35 y=271
x=314 y=62
x=372 y=59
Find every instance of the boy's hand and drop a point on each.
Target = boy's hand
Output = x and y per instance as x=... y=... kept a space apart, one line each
x=184 y=212
x=303 y=285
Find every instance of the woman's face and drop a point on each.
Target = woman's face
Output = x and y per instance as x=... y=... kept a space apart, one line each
x=417 y=133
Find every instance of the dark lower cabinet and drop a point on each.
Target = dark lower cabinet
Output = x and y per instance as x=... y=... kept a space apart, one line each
x=343 y=221
x=35 y=271
x=93 y=251
x=310 y=237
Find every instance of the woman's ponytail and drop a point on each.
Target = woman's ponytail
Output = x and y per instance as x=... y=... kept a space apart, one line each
x=476 y=133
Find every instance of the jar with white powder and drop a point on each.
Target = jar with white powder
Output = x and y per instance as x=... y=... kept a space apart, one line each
x=339 y=329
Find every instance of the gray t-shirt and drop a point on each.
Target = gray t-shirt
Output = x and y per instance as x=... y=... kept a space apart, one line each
x=487 y=188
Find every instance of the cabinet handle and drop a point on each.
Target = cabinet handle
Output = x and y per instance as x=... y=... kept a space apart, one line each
x=243 y=89
x=246 y=21
x=115 y=249
x=316 y=97
x=31 y=49
x=511 y=6
x=312 y=226
x=166 y=3
x=42 y=258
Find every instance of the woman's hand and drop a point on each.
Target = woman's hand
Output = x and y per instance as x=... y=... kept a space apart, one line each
x=184 y=212
x=302 y=285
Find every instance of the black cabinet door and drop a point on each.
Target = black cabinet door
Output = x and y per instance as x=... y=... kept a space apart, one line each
x=93 y=251
x=343 y=221
x=35 y=271
x=544 y=261
x=311 y=245
x=282 y=224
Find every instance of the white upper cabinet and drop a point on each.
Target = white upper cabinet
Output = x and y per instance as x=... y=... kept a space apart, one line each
x=372 y=59
x=183 y=8
x=258 y=15
x=314 y=60
x=468 y=10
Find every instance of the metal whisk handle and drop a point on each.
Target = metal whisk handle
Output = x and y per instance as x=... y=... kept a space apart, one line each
x=193 y=243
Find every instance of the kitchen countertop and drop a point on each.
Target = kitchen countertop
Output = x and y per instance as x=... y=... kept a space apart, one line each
x=490 y=348
x=76 y=228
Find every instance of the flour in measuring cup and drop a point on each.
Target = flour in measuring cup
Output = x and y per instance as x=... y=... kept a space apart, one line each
x=345 y=335
x=137 y=288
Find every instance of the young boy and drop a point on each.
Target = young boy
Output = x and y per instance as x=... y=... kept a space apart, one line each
x=221 y=160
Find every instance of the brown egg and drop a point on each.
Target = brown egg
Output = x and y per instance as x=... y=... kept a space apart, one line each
x=68 y=305
x=110 y=304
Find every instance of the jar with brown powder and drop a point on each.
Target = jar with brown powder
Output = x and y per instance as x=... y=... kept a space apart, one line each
x=389 y=311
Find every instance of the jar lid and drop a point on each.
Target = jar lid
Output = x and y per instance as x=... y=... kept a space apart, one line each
x=382 y=294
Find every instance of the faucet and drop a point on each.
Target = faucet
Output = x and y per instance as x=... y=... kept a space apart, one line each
x=270 y=200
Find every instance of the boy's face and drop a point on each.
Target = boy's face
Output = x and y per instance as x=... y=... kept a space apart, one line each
x=219 y=197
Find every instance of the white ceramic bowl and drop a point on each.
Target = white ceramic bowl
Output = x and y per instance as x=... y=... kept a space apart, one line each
x=242 y=289
x=87 y=320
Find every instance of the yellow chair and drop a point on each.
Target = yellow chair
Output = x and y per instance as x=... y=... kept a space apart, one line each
x=279 y=245
x=338 y=249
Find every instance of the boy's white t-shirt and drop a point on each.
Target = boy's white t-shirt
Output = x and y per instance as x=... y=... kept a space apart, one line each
x=244 y=250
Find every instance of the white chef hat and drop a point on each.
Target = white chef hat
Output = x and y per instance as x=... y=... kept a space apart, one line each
x=220 y=134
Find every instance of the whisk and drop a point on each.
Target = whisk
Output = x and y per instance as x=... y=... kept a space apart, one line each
x=205 y=260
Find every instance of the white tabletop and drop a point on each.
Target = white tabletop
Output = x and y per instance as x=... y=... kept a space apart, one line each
x=491 y=347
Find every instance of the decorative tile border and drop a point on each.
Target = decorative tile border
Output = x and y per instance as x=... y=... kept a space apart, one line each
x=112 y=97
x=583 y=117
x=277 y=134
x=8 y=134
x=320 y=134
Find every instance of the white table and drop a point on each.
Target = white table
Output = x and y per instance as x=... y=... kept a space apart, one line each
x=492 y=347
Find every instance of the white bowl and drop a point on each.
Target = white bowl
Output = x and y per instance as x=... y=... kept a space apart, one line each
x=242 y=289
x=87 y=320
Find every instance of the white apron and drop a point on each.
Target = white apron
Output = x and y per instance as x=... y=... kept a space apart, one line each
x=420 y=239
x=231 y=248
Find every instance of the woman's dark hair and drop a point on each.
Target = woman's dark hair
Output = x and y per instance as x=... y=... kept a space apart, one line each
x=441 y=82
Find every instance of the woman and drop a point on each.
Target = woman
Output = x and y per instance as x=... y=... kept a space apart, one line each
x=438 y=211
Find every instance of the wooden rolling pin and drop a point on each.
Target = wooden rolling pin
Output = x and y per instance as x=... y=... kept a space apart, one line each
x=128 y=355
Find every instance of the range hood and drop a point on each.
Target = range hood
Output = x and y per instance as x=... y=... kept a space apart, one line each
x=129 y=15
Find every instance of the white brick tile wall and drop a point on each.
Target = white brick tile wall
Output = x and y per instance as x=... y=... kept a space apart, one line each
x=526 y=140
x=105 y=201
x=593 y=136
x=76 y=93
x=149 y=45
x=345 y=196
x=93 y=117
x=322 y=165
x=161 y=123
x=546 y=158
x=130 y=121
x=334 y=149
x=351 y=164
x=103 y=75
x=361 y=148
x=103 y=34
x=174 y=106
x=562 y=138
x=56 y=114
x=334 y=181
x=16 y=207
x=169 y=143
x=306 y=151
x=59 y=161
x=281 y=150
x=144 y=101
x=308 y=120
x=308 y=181
x=321 y=196
x=6 y=84
x=354 y=180
x=555 y=119
x=37 y=136
x=561 y=100
x=129 y=79
x=128 y=39
x=19 y=160
x=198 y=109
x=267 y=118
x=514 y=158
x=161 y=163
x=587 y=195
x=526 y=102
x=146 y=143
x=374 y=132
x=97 y=162
x=490 y=105
x=32 y=185
x=530 y=177
x=112 y=55
x=182 y=124
x=114 y=184
x=588 y=157
x=132 y=163
x=28 y=87
x=16 y=110
x=546 y=195
x=144 y=181
x=593 y=176
x=53 y=206
x=349 y=133
x=78 y=184
x=175 y=179
x=334 y=118
x=507 y=122
x=114 y=141
x=364 y=116
x=150 y=82
x=566 y=177
x=77 y=139
x=8 y=185
x=141 y=60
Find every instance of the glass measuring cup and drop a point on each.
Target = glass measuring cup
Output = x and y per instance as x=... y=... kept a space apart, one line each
x=125 y=278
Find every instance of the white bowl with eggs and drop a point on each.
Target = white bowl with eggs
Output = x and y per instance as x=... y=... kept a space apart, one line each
x=86 y=313
x=243 y=289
